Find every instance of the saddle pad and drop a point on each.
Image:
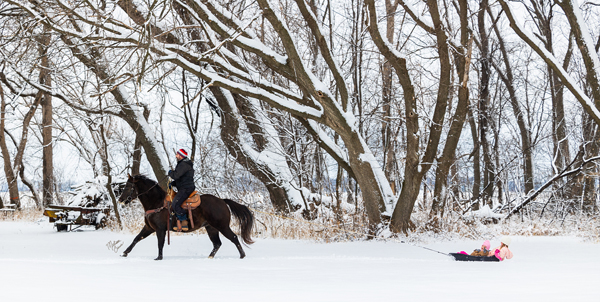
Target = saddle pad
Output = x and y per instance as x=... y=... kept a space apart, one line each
x=192 y=202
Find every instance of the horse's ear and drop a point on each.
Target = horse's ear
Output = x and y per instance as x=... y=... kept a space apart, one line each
x=131 y=178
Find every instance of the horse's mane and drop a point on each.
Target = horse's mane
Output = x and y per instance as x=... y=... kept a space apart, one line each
x=155 y=187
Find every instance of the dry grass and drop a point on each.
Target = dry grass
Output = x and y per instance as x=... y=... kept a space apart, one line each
x=28 y=214
x=331 y=226
x=268 y=224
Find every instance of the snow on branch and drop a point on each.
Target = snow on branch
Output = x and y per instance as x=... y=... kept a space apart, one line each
x=65 y=98
x=566 y=172
x=244 y=41
x=549 y=58
x=311 y=20
x=275 y=100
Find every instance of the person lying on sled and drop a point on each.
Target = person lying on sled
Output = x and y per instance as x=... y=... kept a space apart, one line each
x=502 y=252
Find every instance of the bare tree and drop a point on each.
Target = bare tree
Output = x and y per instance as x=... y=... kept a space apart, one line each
x=45 y=79
x=506 y=75
x=462 y=55
x=483 y=105
x=591 y=62
x=387 y=129
x=416 y=167
x=11 y=169
x=586 y=47
x=316 y=103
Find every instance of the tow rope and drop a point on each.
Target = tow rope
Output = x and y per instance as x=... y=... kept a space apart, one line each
x=353 y=232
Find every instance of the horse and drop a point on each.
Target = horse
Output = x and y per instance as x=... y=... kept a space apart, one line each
x=214 y=214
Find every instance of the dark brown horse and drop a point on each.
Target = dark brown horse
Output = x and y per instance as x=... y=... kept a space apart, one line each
x=214 y=214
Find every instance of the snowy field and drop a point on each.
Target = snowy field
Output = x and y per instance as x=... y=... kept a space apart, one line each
x=39 y=264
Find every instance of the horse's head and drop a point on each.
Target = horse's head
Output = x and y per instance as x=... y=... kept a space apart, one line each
x=130 y=192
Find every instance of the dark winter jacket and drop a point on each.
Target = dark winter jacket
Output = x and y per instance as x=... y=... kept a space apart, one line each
x=183 y=175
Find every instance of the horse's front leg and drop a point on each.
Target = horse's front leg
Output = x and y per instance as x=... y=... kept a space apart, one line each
x=160 y=235
x=145 y=232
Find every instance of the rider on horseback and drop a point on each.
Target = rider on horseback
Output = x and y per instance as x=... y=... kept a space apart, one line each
x=183 y=180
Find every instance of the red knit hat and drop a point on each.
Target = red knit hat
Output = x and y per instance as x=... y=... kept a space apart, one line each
x=182 y=153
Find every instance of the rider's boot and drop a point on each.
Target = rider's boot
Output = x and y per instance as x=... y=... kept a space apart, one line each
x=184 y=225
x=177 y=227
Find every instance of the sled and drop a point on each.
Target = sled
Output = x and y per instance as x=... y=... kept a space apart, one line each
x=463 y=257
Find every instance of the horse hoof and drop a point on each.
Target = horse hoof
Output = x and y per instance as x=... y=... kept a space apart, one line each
x=123 y=255
x=242 y=256
x=211 y=257
x=158 y=258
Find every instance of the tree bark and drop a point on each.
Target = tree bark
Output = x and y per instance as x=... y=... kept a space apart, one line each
x=415 y=168
x=46 y=103
x=476 y=155
x=11 y=179
x=109 y=188
x=562 y=154
x=463 y=61
x=484 y=111
x=387 y=97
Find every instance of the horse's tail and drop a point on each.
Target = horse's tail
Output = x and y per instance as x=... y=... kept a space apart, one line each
x=245 y=217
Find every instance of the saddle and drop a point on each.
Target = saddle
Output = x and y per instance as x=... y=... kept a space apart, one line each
x=189 y=204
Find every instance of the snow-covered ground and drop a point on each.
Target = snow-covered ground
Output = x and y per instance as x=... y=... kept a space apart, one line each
x=39 y=264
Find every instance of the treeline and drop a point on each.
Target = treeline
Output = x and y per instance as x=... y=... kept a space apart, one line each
x=460 y=100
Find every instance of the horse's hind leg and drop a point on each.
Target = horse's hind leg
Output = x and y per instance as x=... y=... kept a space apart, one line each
x=229 y=234
x=145 y=232
x=213 y=234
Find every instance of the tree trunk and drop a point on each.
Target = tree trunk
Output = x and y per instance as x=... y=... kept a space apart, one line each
x=111 y=193
x=230 y=135
x=526 y=146
x=20 y=146
x=587 y=181
x=415 y=168
x=11 y=179
x=559 y=124
x=463 y=62
x=29 y=184
x=476 y=155
x=387 y=96
x=47 y=152
x=544 y=15
x=484 y=111
x=137 y=149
